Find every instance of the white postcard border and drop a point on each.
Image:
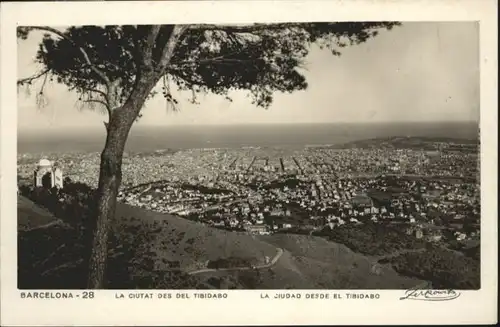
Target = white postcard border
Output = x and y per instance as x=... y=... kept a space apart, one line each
x=247 y=307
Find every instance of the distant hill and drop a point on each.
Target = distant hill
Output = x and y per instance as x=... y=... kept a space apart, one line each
x=154 y=250
x=405 y=142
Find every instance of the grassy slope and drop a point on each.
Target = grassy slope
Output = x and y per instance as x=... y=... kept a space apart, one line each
x=325 y=264
x=307 y=263
x=191 y=243
x=315 y=263
x=31 y=215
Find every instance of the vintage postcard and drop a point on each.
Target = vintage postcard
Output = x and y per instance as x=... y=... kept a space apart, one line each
x=248 y=163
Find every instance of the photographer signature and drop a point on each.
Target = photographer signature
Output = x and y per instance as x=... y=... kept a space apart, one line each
x=426 y=293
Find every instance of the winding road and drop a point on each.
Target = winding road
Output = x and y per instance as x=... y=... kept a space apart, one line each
x=269 y=265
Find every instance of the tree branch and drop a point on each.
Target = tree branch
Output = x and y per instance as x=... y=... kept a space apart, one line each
x=84 y=53
x=98 y=92
x=221 y=60
x=97 y=101
x=32 y=78
x=112 y=95
x=168 y=51
x=147 y=59
x=171 y=103
x=251 y=28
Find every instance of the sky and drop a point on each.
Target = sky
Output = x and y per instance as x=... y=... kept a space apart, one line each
x=417 y=72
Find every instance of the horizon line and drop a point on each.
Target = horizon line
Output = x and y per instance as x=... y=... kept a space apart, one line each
x=98 y=126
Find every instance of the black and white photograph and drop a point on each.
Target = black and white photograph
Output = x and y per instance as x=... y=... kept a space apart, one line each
x=177 y=160
x=339 y=155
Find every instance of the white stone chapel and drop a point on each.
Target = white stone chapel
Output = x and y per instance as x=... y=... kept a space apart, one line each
x=48 y=175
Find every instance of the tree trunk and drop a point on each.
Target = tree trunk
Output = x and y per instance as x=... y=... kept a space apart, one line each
x=109 y=181
x=120 y=122
x=110 y=176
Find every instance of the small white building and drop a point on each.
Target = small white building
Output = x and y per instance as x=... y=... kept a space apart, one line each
x=48 y=175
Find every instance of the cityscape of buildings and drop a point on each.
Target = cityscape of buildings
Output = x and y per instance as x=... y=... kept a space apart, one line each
x=269 y=190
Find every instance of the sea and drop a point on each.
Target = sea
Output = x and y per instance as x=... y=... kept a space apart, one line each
x=149 y=138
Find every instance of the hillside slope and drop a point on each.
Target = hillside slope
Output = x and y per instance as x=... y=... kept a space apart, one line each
x=307 y=262
x=313 y=263
x=30 y=215
x=185 y=244
x=154 y=250
x=326 y=264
